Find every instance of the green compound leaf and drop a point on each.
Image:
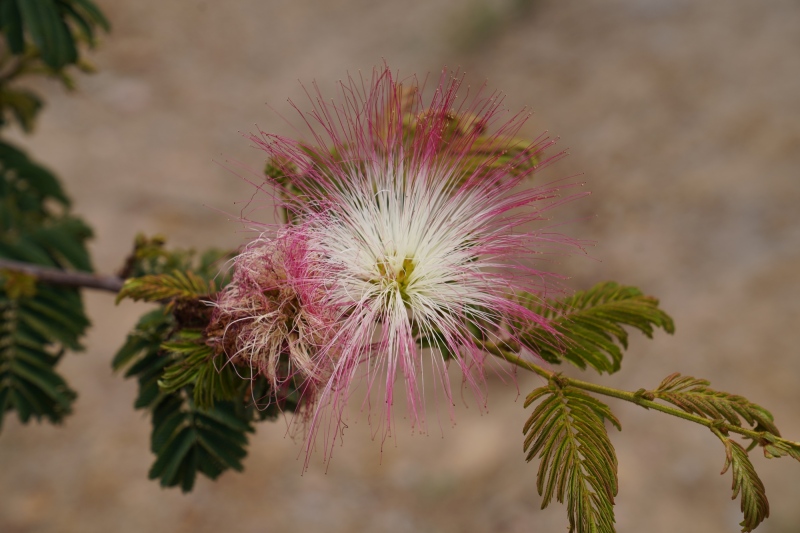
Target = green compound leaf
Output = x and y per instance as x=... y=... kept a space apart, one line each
x=37 y=322
x=160 y=287
x=746 y=483
x=577 y=460
x=693 y=396
x=196 y=365
x=186 y=437
x=587 y=328
x=201 y=410
x=33 y=336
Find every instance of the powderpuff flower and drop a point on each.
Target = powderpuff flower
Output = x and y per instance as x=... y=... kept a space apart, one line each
x=419 y=231
x=270 y=317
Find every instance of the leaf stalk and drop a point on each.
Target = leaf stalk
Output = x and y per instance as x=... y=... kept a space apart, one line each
x=637 y=397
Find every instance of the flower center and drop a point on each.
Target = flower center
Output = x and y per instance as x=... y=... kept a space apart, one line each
x=394 y=276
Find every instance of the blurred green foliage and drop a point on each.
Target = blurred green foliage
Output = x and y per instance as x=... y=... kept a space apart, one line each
x=38 y=323
x=42 y=37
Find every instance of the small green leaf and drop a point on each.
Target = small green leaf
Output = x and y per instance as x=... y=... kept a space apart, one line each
x=586 y=328
x=746 y=483
x=577 y=460
x=694 y=396
x=48 y=328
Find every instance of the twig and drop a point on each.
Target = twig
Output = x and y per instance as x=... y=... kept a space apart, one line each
x=632 y=397
x=55 y=276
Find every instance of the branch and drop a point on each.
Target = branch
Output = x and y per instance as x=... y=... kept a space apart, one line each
x=64 y=278
x=634 y=397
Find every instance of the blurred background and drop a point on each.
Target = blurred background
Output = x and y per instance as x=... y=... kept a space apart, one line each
x=683 y=119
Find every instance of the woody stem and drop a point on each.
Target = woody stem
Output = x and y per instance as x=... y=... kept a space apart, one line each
x=55 y=276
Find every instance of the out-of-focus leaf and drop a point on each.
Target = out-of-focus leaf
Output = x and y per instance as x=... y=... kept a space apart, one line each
x=48 y=31
x=24 y=106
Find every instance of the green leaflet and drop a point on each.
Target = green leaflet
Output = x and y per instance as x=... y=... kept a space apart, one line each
x=693 y=396
x=577 y=460
x=84 y=15
x=586 y=328
x=210 y=376
x=746 y=484
x=11 y=26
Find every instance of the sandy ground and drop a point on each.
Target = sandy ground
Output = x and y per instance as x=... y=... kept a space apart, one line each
x=683 y=118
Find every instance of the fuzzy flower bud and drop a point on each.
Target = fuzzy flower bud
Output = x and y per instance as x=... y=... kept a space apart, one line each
x=270 y=319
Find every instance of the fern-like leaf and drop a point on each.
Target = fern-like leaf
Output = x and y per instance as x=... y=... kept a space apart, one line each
x=161 y=287
x=38 y=323
x=577 y=460
x=34 y=332
x=196 y=364
x=746 y=484
x=694 y=396
x=586 y=329
x=186 y=437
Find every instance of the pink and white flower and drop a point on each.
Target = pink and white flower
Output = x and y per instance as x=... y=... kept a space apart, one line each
x=418 y=231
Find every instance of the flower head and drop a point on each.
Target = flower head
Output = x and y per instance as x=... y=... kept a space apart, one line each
x=417 y=230
x=271 y=318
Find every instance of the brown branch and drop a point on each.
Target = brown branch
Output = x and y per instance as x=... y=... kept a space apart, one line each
x=55 y=276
